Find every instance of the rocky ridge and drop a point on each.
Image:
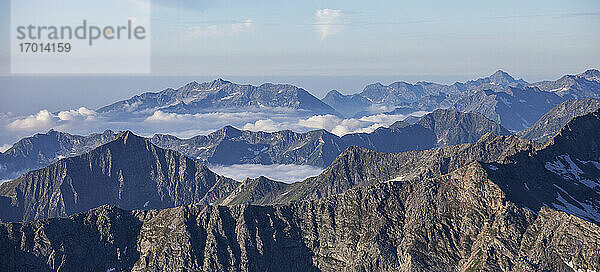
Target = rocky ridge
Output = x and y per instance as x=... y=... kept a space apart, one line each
x=128 y=172
x=555 y=119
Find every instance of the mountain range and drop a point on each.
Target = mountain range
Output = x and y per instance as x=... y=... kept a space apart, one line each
x=320 y=147
x=586 y=84
x=221 y=95
x=229 y=145
x=500 y=204
x=513 y=103
x=128 y=172
x=500 y=175
x=171 y=179
x=42 y=149
x=419 y=96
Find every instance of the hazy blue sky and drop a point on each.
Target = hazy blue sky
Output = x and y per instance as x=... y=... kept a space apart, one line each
x=252 y=41
x=235 y=37
x=538 y=37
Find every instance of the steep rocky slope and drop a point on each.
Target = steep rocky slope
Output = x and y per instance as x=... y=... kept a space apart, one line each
x=128 y=172
x=563 y=174
x=457 y=222
x=362 y=167
x=555 y=119
x=452 y=127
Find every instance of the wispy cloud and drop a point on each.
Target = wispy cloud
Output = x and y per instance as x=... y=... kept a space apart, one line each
x=219 y=29
x=554 y=16
x=328 y=22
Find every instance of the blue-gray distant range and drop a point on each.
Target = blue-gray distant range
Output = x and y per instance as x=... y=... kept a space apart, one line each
x=514 y=104
x=460 y=113
x=221 y=95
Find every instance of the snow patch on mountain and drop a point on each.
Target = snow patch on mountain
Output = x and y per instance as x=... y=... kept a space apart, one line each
x=569 y=170
x=588 y=211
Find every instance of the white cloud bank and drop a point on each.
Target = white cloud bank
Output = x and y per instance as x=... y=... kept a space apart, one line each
x=328 y=22
x=84 y=121
x=44 y=119
x=331 y=123
x=288 y=173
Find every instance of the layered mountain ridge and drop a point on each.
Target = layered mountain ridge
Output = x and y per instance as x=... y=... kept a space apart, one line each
x=406 y=226
x=487 y=205
x=459 y=197
x=563 y=174
x=320 y=147
x=128 y=172
x=233 y=146
x=40 y=150
x=514 y=104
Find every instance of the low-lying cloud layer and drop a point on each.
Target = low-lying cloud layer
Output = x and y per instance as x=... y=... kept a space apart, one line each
x=84 y=121
x=288 y=173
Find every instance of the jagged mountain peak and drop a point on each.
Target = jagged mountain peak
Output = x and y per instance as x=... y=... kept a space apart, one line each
x=498 y=78
x=129 y=172
x=258 y=180
x=261 y=190
x=220 y=81
x=500 y=74
x=591 y=74
x=128 y=137
x=333 y=94
x=503 y=78
x=229 y=131
x=376 y=84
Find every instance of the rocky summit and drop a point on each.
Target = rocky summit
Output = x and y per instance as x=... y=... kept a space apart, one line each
x=128 y=172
